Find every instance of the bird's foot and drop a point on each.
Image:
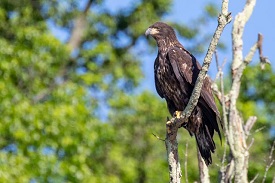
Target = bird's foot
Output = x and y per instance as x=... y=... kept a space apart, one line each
x=184 y=125
x=177 y=114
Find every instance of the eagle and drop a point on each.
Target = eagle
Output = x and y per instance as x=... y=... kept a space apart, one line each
x=176 y=71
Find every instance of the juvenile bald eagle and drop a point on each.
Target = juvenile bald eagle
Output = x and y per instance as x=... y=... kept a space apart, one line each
x=176 y=71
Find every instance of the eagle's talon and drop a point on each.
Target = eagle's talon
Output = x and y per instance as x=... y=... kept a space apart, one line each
x=177 y=114
x=184 y=125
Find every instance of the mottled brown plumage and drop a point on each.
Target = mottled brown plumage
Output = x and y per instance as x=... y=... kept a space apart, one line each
x=176 y=71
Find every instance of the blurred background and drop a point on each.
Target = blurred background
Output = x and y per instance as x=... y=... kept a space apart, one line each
x=77 y=96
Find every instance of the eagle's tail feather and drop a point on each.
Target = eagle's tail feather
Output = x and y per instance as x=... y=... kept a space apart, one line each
x=205 y=144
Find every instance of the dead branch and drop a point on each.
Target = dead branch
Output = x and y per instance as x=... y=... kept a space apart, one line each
x=249 y=124
x=235 y=133
x=223 y=167
x=203 y=169
x=251 y=143
x=219 y=75
x=263 y=60
x=172 y=153
x=79 y=27
x=229 y=173
x=253 y=180
x=237 y=34
x=185 y=163
x=235 y=130
x=270 y=161
x=158 y=137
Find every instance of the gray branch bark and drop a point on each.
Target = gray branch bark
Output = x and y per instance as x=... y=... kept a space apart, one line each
x=234 y=129
x=203 y=169
x=79 y=27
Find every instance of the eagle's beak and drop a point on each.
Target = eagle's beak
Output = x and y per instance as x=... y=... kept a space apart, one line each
x=151 y=31
x=148 y=32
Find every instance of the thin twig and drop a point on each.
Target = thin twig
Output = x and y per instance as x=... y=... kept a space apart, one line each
x=219 y=75
x=256 y=176
x=251 y=143
x=224 y=110
x=203 y=169
x=217 y=61
x=230 y=170
x=223 y=167
x=158 y=137
x=259 y=129
x=263 y=60
x=185 y=163
x=224 y=116
x=270 y=162
x=249 y=124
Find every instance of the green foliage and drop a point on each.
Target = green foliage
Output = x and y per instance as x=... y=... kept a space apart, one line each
x=211 y=10
x=134 y=131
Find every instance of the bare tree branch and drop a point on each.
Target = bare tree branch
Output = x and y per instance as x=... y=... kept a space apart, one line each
x=172 y=153
x=253 y=180
x=203 y=169
x=158 y=137
x=238 y=132
x=225 y=122
x=270 y=161
x=229 y=173
x=185 y=163
x=79 y=27
x=263 y=60
x=220 y=95
x=251 y=143
x=223 y=167
x=237 y=33
x=249 y=124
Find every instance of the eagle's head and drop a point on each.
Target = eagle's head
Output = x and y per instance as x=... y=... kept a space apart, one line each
x=162 y=32
x=159 y=30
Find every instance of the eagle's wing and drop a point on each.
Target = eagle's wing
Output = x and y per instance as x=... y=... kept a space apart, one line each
x=157 y=84
x=186 y=67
